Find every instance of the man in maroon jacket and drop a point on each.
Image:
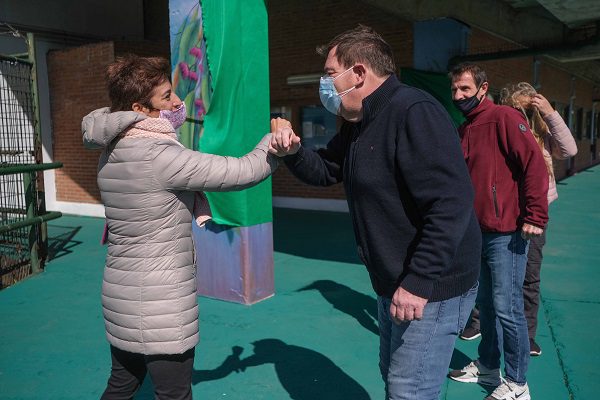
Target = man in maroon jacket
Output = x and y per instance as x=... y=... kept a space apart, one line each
x=511 y=184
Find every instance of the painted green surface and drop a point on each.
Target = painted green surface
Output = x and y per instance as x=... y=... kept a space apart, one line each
x=314 y=339
x=236 y=33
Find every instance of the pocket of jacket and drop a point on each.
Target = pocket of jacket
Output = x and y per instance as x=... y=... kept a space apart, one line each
x=495 y=201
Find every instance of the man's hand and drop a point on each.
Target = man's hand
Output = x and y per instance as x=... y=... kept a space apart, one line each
x=406 y=306
x=278 y=123
x=542 y=104
x=283 y=141
x=529 y=231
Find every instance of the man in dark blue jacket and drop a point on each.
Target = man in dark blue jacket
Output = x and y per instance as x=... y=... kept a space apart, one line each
x=411 y=203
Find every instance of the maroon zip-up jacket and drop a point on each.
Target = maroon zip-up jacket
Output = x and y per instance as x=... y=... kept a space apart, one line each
x=507 y=168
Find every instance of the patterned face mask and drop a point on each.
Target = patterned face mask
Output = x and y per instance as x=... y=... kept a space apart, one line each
x=177 y=117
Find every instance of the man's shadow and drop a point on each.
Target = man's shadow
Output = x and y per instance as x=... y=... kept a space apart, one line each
x=305 y=374
x=361 y=307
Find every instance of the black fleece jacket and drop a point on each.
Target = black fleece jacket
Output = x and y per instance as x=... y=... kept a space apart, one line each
x=408 y=190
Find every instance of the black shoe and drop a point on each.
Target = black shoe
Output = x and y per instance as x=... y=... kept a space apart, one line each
x=470 y=333
x=534 y=349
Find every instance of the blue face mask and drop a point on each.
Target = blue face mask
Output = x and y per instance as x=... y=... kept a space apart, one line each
x=329 y=95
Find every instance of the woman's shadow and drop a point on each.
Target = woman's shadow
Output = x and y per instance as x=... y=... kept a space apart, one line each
x=305 y=374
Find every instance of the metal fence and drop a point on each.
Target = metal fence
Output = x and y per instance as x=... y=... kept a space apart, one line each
x=23 y=243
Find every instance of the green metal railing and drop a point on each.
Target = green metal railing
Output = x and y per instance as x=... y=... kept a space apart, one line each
x=23 y=232
x=20 y=247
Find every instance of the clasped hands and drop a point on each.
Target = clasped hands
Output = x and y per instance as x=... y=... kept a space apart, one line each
x=283 y=140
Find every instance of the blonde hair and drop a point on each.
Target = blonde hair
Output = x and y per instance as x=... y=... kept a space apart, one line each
x=512 y=95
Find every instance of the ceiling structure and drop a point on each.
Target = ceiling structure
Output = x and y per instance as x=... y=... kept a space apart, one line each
x=565 y=31
x=572 y=13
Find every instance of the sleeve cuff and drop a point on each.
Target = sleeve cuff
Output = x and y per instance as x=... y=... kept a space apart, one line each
x=417 y=285
x=295 y=159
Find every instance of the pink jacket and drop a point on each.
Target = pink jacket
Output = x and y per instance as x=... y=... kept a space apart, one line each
x=559 y=144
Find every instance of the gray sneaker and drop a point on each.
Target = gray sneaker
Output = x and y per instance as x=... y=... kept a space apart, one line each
x=476 y=373
x=510 y=391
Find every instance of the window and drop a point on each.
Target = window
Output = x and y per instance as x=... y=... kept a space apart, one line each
x=579 y=123
x=588 y=125
x=318 y=127
x=566 y=115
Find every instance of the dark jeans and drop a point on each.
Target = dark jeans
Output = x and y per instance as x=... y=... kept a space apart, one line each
x=171 y=375
x=531 y=286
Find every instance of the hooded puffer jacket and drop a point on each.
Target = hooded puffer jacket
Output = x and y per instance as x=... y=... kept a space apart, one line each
x=147 y=187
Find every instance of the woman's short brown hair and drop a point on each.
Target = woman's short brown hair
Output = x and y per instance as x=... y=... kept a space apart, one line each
x=132 y=79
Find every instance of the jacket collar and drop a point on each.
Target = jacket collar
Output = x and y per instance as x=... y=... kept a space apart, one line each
x=381 y=97
x=485 y=105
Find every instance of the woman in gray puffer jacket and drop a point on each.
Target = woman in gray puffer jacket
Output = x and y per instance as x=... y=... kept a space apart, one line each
x=149 y=185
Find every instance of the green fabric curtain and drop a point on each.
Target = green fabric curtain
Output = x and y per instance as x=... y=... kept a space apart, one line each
x=238 y=117
x=436 y=84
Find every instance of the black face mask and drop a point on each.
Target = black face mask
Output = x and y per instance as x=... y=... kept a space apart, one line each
x=468 y=104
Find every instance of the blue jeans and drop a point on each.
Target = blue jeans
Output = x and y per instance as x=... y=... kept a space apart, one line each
x=500 y=301
x=414 y=356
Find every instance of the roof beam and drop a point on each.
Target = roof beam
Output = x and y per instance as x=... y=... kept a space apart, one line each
x=497 y=17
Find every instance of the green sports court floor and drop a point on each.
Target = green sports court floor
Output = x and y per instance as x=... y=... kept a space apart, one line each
x=316 y=338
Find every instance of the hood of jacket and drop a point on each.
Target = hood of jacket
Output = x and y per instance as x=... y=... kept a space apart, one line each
x=101 y=126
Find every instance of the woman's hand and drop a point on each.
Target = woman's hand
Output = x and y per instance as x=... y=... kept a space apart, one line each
x=283 y=141
x=542 y=104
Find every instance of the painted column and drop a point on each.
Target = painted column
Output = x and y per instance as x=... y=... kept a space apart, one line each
x=219 y=54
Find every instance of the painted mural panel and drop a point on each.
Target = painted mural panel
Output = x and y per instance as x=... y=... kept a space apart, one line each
x=190 y=73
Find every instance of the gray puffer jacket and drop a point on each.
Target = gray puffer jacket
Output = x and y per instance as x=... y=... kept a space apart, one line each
x=147 y=187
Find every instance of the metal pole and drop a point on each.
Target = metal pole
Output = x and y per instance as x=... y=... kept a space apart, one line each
x=593 y=133
x=40 y=241
x=593 y=124
x=30 y=206
x=536 y=74
x=570 y=164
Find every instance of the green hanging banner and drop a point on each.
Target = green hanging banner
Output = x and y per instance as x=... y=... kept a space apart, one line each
x=436 y=84
x=236 y=34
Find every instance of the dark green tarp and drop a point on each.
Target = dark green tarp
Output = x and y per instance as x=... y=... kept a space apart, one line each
x=436 y=84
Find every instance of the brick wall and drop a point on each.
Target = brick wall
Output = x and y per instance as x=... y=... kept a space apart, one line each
x=76 y=79
x=77 y=86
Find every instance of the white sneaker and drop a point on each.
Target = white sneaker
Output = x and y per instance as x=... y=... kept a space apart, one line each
x=476 y=373
x=510 y=391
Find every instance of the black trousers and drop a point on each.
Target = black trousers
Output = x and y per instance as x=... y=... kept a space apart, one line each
x=531 y=286
x=171 y=375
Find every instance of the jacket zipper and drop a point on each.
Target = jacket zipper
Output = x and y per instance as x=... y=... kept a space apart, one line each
x=495 y=201
x=354 y=145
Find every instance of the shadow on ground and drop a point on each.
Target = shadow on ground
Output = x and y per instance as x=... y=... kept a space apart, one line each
x=361 y=307
x=314 y=234
x=61 y=240
x=304 y=373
